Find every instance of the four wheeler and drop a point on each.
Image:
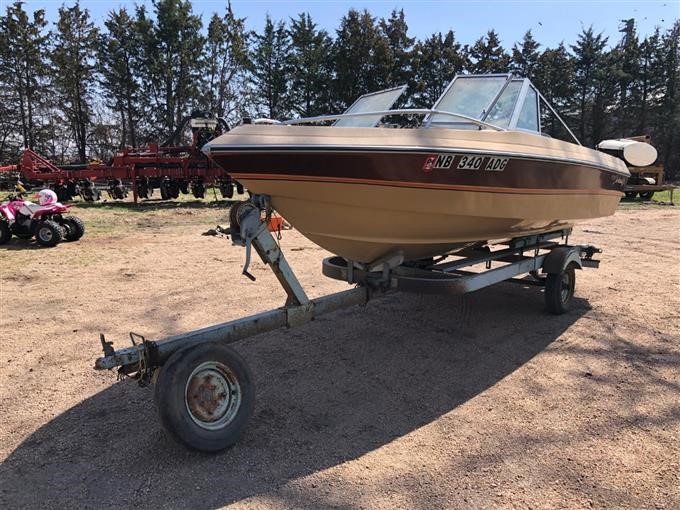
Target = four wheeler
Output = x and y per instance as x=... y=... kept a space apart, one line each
x=45 y=220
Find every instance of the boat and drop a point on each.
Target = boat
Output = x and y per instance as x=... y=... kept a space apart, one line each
x=484 y=164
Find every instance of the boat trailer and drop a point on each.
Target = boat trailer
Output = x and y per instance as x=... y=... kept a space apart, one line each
x=204 y=390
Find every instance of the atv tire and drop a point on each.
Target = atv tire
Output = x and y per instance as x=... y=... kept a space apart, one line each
x=74 y=228
x=5 y=232
x=49 y=233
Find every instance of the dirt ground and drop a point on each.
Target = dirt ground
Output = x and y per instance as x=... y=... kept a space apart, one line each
x=413 y=401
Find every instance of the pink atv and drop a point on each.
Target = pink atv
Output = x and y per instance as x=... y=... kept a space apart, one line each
x=25 y=219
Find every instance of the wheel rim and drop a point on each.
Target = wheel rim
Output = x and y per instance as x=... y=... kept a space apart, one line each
x=45 y=234
x=212 y=395
x=565 y=287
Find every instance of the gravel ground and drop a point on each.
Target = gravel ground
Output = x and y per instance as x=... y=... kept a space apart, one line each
x=484 y=401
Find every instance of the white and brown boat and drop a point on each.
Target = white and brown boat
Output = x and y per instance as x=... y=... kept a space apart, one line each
x=480 y=167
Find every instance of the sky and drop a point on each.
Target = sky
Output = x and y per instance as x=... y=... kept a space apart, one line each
x=551 y=21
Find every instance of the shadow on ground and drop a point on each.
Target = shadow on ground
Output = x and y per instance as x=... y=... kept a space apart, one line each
x=21 y=244
x=328 y=392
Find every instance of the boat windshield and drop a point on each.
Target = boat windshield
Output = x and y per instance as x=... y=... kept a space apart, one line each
x=482 y=101
x=470 y=96
x=373 y=102
x=497 y=99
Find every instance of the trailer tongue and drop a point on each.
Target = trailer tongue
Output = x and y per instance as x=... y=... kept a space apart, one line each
x=204 y=390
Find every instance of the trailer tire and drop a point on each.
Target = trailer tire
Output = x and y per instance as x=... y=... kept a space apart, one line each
x=205 y=396
x=646 y=195
x=5 y=232
x=630 y=195
x=74 y=228
x=49 y=233
x=559 y=289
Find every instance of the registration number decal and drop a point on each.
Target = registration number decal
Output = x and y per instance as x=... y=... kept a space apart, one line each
x=468 y=162
x=496 y=164
x=465 y=162
x=438 y=162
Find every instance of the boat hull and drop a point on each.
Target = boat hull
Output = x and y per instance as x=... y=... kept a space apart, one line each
x=372 y=199
x=363 y=223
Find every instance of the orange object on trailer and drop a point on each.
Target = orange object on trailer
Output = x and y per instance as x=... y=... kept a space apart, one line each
x=277 y=223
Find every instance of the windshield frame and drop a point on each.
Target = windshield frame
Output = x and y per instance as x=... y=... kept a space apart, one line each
x=517 y=107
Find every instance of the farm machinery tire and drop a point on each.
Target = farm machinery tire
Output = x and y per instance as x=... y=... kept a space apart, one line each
x=164 y=190
x=205 y=396
x=49 y=233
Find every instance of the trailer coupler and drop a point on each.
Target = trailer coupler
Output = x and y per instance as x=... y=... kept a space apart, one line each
x=136 y=362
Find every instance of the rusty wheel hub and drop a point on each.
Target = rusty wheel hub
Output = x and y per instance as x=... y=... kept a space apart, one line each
x=213 y=395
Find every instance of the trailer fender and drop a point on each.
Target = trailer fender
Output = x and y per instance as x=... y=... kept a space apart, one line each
x=560 y=258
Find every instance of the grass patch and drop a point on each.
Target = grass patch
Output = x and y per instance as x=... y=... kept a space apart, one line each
x=109 y=217
x=660 y=198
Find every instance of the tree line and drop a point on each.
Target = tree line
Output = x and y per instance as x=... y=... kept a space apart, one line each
x=73 y=90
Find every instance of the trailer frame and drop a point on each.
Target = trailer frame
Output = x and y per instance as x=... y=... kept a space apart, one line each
x=197 y=376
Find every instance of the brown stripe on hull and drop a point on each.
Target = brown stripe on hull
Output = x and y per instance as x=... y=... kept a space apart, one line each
x=487 y=189
x=397 y=168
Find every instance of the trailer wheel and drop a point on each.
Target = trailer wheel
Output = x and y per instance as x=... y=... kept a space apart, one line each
x=630 y=195
x=49 y=233
x=205 y=396
x=559 y=289
x=647 y=195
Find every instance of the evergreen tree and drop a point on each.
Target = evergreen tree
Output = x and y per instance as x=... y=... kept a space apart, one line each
x=172 y=50
x=399 y=55
x=525 y=57
x=668 y=122
x=226 y=56
x=310 y=67
x=649 y=84
x=488 y=56
x=627 y=67
x=553 y=75
x=436 y=61
x=270 y=69
x=603 y=120
x=360 y=65
x=589 y=64
x=23 y=75
x=73 y=58
x=118 y=63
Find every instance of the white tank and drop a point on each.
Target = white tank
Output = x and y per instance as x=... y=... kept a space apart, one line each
x=632 y=152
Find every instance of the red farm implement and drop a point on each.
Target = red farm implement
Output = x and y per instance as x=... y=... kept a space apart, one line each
x=169 y=167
